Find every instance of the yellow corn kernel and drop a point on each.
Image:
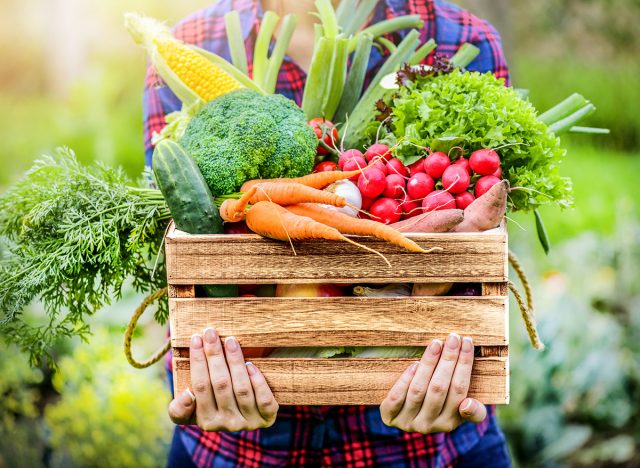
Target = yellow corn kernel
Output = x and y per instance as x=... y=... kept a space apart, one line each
x=194 y=70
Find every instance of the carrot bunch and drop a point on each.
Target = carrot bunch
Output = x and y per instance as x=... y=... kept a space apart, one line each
x=291 y=209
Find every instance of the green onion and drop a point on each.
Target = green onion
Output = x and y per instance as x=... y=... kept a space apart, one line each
x=358 y=17
x=389 y=26
x=289 y=23
x=344 y=11
x=422 y=52
x=327 y=17
x=565 y=124
x=355 y=79
x=236 y=41
x=314 y=88
x=261 y=51
x=337 y=78
x=563 y=109
x=386 y=43
x=465 y=55
x=591 y=130
x=360 y=117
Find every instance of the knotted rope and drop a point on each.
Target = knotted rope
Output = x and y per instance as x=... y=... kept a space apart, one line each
x=128 y=334
x=526 y=308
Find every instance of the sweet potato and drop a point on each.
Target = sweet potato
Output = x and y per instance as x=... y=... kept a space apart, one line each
x=485 y=212
x=433 y=221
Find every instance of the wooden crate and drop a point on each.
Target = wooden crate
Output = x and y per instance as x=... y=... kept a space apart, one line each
x=342 y=321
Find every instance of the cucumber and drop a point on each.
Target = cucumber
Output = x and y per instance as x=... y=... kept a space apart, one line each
x=189 y=198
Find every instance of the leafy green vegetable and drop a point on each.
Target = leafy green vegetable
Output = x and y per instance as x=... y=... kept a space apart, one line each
x=71 y=236
x=487 y=114
x=244 y=135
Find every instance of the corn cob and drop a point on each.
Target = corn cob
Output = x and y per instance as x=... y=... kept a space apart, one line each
x=171 y=56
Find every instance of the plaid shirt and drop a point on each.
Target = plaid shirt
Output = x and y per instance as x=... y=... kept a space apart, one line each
x=327 y=436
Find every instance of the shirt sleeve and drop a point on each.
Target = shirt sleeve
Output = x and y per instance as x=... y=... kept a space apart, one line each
x=456 y=26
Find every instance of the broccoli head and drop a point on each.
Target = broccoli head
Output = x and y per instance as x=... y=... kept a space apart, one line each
x=245 y=135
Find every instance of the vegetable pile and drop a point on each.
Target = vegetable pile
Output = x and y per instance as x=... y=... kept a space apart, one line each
x=423 y=148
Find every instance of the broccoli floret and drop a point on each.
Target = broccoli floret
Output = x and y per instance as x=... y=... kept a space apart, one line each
x=244 y=135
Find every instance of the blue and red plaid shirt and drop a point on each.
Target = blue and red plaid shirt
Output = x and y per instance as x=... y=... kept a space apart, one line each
x=328 y=436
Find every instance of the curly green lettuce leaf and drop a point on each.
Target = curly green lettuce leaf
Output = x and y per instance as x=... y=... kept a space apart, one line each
x=485 y=114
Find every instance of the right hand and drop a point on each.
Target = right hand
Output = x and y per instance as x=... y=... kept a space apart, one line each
x=228 y=395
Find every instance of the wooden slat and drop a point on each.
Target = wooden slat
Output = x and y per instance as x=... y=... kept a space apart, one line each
x=355 y=381
x=246 y=259
x=341 y=321
x=182 y=290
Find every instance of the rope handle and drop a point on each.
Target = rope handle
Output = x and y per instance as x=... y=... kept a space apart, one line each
x=128 y=334
x=526 y=308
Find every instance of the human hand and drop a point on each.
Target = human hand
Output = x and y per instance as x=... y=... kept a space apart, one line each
x=431 y=395
x=228 y=395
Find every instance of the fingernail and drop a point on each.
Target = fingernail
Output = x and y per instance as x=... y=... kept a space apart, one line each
x=251 y=369
x=196 y=341
x=210 y=335
x=187 y=398
x=435 y=347
x=467 y=406
x=232 y=344
x=453 y=341
x=467 y=344
x=414 y=367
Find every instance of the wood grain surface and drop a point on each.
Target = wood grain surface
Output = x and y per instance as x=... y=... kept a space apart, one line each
x=355 y=381
x=248 y=258
x=341 y=321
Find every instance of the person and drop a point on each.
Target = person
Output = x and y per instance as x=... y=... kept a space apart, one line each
x=230 y=418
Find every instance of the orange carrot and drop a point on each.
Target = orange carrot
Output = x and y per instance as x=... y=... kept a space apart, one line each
x=271 y=220
x=360 y=227
x=292 y=193
x=486 y=211
x=232 y=210
x=318 y=180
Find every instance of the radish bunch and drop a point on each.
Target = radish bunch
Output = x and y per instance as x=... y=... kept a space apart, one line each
x=392 y=191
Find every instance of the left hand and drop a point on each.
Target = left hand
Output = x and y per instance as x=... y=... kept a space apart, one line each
x=431 y=395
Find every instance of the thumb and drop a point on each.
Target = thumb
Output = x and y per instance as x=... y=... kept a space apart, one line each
x=182 y=407
x=472 y=410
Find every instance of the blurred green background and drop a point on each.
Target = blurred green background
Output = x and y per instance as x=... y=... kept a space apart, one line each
x=71 y=76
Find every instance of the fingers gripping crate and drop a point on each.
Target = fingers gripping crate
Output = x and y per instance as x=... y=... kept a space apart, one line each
x=342 y=321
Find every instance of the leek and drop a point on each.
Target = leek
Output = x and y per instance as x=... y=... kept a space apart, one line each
x=422 y=52
x=335 y=85
x=355 y=79
x=261 y=50
x=289 y=23
x=236 y=41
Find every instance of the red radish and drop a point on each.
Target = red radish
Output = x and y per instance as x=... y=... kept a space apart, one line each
x=410 y=208
x=395 y=186
x=483 y=184
x=455 y=179
x=353 y=165
x=237 y=228
x=436 y=163
x=416 y=167
x=379 y=165
x=484 y=161
x=395 y=166
x=372 y=183
x=325 y=166
x=498 y=173
x=348 y=155
x=386 y=210
x=420 y=185
x=378 y=150
x=464 y=163
x=464 y=199
x=438 y=200
x=367 y=202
